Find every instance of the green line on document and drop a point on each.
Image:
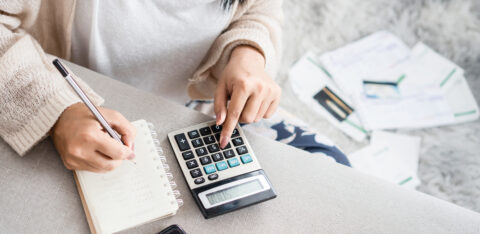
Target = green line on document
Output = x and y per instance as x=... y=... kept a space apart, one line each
x=401 y=78
x=405 y=180
x=448 y=77
x=355 y=125
x=318 y=65
x=465 y=113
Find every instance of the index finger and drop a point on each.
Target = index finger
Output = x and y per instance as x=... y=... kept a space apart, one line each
x=237 y=103
x=112 y=148
x=123 y=127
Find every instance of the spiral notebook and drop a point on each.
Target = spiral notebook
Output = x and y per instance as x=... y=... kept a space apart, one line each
x=132 y=194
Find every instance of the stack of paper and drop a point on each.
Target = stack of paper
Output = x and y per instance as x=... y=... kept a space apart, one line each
x=377 y=83
x=392 y=157
x=432 y=90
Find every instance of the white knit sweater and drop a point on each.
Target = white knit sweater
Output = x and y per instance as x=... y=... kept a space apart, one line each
x=33 y=94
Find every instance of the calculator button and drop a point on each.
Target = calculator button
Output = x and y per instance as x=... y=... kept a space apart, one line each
x=182 y=142
x=233 y=162
x=217 y=157
x=188 y=155
x=195 y=173
x=199 y=180
x=221 y=165
x=209 y=169
x=213 y=148
x=209 y=139
x=242 y=150
x=197 y=142
x=228 y=146
x=216 y=128
x=205 y=131
x=228 y=153
x=205 y=160
x=246 y=158
x=193 y=134
x=213 y=176
x=192 y=164
x=235 y=133
x=217 y=136
x=201 y=151
x=237 y=141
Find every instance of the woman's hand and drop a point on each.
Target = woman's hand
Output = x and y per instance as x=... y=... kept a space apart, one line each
x=253 y=94
x=84 y=145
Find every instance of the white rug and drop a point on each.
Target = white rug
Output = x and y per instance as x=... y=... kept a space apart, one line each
x=450 y=156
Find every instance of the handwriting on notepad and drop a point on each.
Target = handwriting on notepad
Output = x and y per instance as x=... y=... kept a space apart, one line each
x=127 y=176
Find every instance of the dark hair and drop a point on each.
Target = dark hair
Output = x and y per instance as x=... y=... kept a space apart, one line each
x=226 y=4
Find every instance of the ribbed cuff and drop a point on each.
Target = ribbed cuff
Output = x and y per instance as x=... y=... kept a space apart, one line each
x=202 y=85
x=37 y=128
x=261 y=43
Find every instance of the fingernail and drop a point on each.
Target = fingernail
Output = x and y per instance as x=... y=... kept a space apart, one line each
x=220 y=119
x=131 y=156
x=223 y=141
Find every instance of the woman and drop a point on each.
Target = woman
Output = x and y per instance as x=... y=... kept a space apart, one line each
x=221 y=49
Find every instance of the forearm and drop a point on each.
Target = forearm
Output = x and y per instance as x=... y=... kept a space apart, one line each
x=256 y=23
x=247 y=54
x=33 y=93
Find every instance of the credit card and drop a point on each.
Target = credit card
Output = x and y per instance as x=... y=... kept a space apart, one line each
x=333 y=104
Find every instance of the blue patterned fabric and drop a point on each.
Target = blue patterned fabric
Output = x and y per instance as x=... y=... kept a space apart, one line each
x=307 y=142
x=287 y=129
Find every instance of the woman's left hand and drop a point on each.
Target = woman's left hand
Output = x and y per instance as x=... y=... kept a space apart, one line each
x=252 y=93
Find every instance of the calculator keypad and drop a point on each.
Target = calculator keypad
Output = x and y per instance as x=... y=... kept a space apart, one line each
x=206 y=150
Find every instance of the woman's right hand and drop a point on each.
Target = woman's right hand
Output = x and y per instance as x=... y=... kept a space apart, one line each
x=84 y=145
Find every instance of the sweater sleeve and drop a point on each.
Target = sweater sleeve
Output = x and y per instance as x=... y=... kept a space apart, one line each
x=255 y=23
x=33 y=94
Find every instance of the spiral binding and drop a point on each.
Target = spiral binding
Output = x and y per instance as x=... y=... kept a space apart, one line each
x=174 y=193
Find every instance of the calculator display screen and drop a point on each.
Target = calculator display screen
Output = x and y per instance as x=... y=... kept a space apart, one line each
x=234 y=191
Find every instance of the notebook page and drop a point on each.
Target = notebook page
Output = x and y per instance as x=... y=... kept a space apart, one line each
x=132 y=194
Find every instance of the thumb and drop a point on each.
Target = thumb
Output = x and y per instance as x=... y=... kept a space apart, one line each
x=220 y=103
x=120 y=124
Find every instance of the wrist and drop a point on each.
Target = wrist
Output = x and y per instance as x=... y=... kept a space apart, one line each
x=247 y=54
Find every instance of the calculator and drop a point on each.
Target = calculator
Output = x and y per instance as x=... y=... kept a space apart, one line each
x=220 y=180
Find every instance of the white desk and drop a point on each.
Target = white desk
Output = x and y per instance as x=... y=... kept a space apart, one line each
x=38 y=194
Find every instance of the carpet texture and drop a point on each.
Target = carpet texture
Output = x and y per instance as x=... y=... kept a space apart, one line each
x=450 y=156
